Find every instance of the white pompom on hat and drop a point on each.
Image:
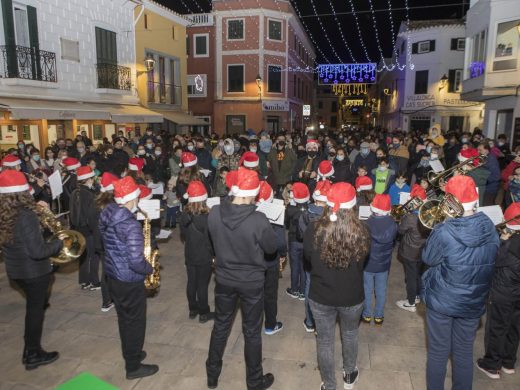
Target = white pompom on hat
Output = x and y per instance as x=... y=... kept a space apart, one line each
x=341 y=196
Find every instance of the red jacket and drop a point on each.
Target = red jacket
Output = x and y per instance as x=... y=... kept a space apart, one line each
x=508 y=171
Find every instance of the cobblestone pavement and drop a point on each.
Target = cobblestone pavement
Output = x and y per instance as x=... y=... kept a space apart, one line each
x=392 y=357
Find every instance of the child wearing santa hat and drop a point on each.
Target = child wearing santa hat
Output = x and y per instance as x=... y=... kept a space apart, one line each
x=383 y=231
x=198 y=252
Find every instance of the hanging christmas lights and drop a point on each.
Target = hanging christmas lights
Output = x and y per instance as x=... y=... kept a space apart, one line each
x=352 y=58
x=359 y=31
x=349 y=89
x=374 y=25
x=331 y=74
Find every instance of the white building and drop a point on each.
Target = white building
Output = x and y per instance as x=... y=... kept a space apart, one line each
x=427 y=90
x=491 y=71
x=67 y=66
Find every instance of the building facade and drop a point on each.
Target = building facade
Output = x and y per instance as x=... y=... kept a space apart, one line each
x=428 y=91
x=491 y=67
x=66 y=67
x=255 y=66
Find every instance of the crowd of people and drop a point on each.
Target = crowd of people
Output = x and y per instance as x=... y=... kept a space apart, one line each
x=339 y=264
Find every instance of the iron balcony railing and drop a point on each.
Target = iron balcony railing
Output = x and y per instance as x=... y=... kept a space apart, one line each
x=30 y=63
x=112 y=76
x=164 y=93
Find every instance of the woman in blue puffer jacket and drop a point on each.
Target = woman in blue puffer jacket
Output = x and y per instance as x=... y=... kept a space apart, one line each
x=461 y=254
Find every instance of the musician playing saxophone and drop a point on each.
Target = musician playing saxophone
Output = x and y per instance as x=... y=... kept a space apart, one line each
x=126 y=269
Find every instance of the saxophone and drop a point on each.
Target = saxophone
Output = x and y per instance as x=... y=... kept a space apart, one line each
x=152 y=281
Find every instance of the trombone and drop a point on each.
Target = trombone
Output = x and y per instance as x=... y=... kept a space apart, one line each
x=437 y=179
x=503 y=229
x=399 y=211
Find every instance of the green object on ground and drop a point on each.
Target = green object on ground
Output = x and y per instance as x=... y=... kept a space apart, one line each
x=85 y=381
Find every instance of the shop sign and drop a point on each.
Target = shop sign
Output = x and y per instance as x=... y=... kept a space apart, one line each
x=275 y=105
x=306 y=110
x=420 y=101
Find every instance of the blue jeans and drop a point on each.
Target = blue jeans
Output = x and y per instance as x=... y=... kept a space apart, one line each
x=296 y=261
x=309 y=319
x=379 y=281
x=171 y=216
x=326 y=317
x=449 y=335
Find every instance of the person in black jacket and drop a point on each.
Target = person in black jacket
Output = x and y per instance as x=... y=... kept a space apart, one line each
x=84 y=219
x=198 y=252
x=241 y=237
x=26 y=256
x=343 y=169
x=503 y=312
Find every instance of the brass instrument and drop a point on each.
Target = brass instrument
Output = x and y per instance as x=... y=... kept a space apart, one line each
x=399 y=211
x=153 y=280
x=73 y=241
x=307 y=170
x=436 y=211
x=503 y=229
x=437 y=179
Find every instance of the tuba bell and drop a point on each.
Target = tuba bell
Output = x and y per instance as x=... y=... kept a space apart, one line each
x=436 y=211
x=73 y=241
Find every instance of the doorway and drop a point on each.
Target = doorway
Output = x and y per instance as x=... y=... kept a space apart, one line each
x=273 y=123
x=456 y=123
x=419 y=124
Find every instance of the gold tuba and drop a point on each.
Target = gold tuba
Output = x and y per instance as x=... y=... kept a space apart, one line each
x=435 y=211
x=73 y=241
x=153 y=280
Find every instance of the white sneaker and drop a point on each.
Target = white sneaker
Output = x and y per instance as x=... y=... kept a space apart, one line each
x=508 y=371
x=405 y=305
x=417 y=299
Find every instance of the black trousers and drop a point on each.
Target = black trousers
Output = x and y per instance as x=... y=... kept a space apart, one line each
x=489 y=198
x=502 y=335
x=35 y=290
x=252 y=306
x=197 y=287
x=130 y=301
x=271 y=296
x=89 y=263
x=412 y=274
x=105 y=293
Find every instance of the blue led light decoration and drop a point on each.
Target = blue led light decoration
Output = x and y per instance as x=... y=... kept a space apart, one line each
x=330 y=74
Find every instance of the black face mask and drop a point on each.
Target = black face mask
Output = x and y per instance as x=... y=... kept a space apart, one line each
x=300 y=153
x=312 y=153
x=281 y=144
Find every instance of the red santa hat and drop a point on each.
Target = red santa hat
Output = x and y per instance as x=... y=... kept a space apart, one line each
x=231 y=179
x=300 y=193
x=466 y=154
x=322 y=190
x=325 y=169
x=71 y=163
x=196 y=192
x=266 y=193
x=12 y=181
x=464 y=189
x=107 y=182
x=511 y=212
x=363 y=183
x=146 y=193
x=249 y=160
x=126 y=190
x=188 y=159
x=418 y=192
x=11 y=161
x=246 y=184
x=311 y=142
x=381 y=204
x=341 y=196
x=84 y=173
x=136 y=164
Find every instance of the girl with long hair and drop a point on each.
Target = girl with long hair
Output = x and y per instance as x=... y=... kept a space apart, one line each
x=336 y=246
x=26 y=256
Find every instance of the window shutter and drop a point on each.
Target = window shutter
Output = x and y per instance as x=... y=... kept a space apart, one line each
x=454 y=43
x=451 y=80
x=415 y=48
x=10 y=41
x=34 y=42
x=432 y=45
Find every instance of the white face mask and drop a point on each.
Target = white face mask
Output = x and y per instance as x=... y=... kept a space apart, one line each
x=81 y=150
x=158 y=152
x=434 y=156
x=229 y=149
x=340 y=157
x=134 y=209
x=382 y=169
x=253 y=150
x=191 y=148
x=141 y=152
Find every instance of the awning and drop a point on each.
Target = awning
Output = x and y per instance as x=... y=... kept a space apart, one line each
x=32 y=109
x=183 y=119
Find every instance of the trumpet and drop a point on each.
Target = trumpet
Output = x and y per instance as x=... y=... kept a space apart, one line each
x=503 y=229
x=399 y=211
x=436 y=211
x=437 y=179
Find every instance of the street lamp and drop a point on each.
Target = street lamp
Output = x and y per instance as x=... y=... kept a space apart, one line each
x=443 y=82
x=259 y=84
x=149 y=64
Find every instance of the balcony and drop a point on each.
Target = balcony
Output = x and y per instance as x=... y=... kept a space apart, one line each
x=111 y=76
x=162 y=93
x=29 y=63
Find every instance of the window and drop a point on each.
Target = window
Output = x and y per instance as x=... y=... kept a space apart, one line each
x=274 y=79
x=458 y=44
x=187 y=44
x=162 y=80
x=175 y=87
x=145 y=21
x=235 y=78
x=173 y=33
x=421 y=82
x=235 y=29
x=201 y=45
x=97 y=132
x=333 y=121
x=294 y=85
x=197 y=85
x=506 y=46
x=479 y=47
x=423 y=47
x=275 y=30
x=21 y=26
x=334 y=106
x=455 y=80
x=69 y=50
x=403 y=44
x=106 y=46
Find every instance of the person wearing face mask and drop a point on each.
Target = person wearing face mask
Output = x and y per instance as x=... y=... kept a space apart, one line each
x=435 y=134
x=82 y=153
x=306 y=167
x=383 y=176
x=126 y=269
x=227 y=157
x=365 y=157
x=22 y=152
x=398 y=155
x=282 y=161
x=451 y=150
x=397 y=187
x=204 y=158
x=148 y=135
x=35 y=163
x=264 y=146
x=343 y=169
x=51 y=162
x=119 y=156
x=422 y=167
x=84 y=219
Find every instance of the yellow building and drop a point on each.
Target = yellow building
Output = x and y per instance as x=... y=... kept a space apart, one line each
x=161 y=65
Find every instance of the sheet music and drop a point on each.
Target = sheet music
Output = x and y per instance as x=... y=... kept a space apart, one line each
x=210 y=202
x=150 y=206
x=274 y=212
x=56 y=184
x=157 y=188
x=404 y=197
x=205 y=172
x=494 y=213
x=364 y=212
x=163 y=234
x=436 y=166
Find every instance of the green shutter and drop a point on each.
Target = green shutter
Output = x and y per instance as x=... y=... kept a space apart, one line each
x=34 y=42
x=106 y=46
x=10 y=40
x=451 y=80
x=432 y=46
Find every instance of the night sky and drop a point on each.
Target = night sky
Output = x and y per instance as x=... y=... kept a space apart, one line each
x=345 y=18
